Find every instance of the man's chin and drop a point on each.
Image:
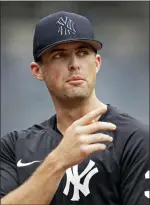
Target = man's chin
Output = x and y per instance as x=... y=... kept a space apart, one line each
x=78 y=92
x=77 y=96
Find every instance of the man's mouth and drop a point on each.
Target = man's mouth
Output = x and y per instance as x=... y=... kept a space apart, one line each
x=76 y=78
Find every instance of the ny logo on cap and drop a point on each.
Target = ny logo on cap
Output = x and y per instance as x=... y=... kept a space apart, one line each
x=66 y=26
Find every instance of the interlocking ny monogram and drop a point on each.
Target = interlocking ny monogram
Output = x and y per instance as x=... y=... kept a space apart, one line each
x=74 y=178
x=66 y=26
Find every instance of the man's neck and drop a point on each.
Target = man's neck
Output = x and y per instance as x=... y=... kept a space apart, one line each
x=65 y=117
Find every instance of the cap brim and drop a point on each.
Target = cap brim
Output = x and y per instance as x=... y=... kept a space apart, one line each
x=97 y=45
x=94 y=43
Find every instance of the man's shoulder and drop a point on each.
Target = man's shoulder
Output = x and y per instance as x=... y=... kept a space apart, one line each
x=129 y=129
x=125 y=122
x=131 y=134
x=10 y=138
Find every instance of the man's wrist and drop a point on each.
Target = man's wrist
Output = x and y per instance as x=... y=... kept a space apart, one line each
x=57 y=161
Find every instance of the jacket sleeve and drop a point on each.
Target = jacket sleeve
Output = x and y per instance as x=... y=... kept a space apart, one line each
x=135 y=166
x=8 y=165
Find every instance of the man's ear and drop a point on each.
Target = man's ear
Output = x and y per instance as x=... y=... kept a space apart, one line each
x=98 y=62
x=36 y=71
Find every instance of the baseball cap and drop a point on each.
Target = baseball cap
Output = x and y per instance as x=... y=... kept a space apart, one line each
x=62 y=27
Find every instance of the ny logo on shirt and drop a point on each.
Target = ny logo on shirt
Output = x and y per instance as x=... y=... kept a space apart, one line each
x=74 y=178
x=66 y=26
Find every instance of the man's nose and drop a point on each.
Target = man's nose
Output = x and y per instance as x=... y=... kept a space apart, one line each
x=73 y=63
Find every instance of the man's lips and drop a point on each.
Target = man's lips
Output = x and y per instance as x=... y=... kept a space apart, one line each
x=75 y=78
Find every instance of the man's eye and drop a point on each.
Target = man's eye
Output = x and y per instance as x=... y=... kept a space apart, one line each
x=82 y=53
x=58 y=55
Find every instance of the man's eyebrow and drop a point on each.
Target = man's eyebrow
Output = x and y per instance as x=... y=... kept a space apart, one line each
x=62 y=49
x=56 y=50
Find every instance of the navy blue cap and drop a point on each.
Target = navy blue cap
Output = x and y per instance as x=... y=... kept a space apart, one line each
x=62 y=27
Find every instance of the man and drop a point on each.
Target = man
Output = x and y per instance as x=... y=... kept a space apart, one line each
x=88 y=153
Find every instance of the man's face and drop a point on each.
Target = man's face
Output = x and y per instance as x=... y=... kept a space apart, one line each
x=69 y=70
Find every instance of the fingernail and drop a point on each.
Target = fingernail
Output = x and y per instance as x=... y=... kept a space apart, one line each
x=111 y=139
x=114 y=127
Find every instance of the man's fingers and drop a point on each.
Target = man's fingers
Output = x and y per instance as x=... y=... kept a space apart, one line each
x=96 y=126
x=89 y=149
x=96 y=138
x=90 y=116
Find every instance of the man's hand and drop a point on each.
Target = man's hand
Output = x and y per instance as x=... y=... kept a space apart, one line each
x=78 y=141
